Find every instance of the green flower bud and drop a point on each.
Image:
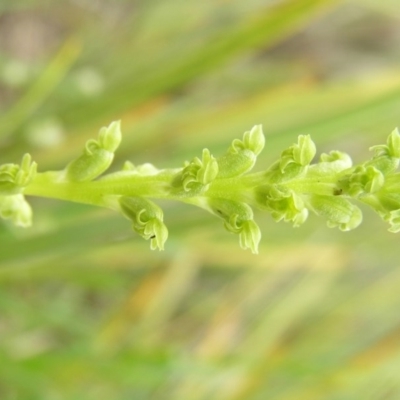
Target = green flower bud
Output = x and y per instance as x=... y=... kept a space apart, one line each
x=147 y=219
x=301 y=153
x=338 y=211
x=16 y=208
x=14 y=177
x=238 y=219
x=198 y=174
x=283 y=204
x=97 y=156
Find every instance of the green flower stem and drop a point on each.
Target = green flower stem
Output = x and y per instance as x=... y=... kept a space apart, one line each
x=159 y=186
x=49 y=185
x=307 y=184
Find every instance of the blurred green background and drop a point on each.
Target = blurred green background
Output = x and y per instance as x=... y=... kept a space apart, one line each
x=87 y=311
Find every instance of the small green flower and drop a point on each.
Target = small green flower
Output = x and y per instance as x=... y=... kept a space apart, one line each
x=391 y=149
x=384 y=203
x=301 y=153
x=365 y=180
x=394 y=220
x=198 y=174
x=110 y=137
x=242 y=154
x=337 y=210
x=16 y=208
x=283 y=204
x=335 y=161
x=14 y=177
x=387 y=156
x=147 y=219
x=253 y=140
x=97 y=156
x=238 y=219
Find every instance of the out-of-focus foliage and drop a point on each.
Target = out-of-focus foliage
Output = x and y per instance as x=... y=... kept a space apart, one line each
x=87 y=311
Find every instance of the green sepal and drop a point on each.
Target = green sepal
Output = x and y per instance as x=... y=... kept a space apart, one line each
x=338 y=211
x=238 y=219
x=14 y=177
x=97 y=156
x=147 y=219
x=16 y=208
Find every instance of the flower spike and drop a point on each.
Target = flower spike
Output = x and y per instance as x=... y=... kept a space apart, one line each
x=289 y=189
